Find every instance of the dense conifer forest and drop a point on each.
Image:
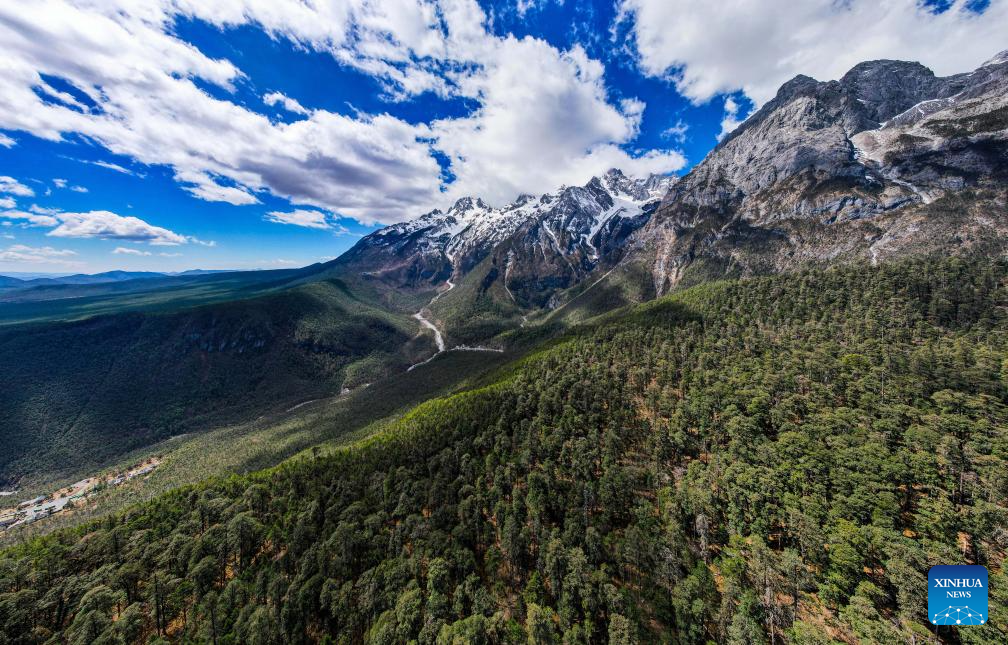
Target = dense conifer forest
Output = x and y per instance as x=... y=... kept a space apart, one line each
x=771 y=460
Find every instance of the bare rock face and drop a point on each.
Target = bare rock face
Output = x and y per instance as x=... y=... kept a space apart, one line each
x=537 y=245
x=838 y=170
x=885 y=88
x=577 y=229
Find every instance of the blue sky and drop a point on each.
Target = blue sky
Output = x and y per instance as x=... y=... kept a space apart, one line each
x=170 y=135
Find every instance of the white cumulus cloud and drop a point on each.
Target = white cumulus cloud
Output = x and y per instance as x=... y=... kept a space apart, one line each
x=122 y=250
x=203 y=186
x=107 y=225
x=289 y=104
x=29 y=218
x=12 y=186
x=731 y=119
x=36 y=254
x=542 y=116
x=300 y=217
x=108 y=165
x=534 y=132
x=709 y=48
x=98 y=224
x=676 y=132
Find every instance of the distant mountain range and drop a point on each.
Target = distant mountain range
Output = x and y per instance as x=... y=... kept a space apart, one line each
x=538 y=244
x=27 y=280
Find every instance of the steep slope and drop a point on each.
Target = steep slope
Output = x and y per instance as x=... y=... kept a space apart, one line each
x=260 y=442
x=575 y=231
x=492 y=265
x=769 y=460
x=889 y=160
x=80 y=393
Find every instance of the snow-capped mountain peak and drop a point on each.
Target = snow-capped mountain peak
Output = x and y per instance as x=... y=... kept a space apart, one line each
x=997 y=60
x=572 y=221
x=575 y=216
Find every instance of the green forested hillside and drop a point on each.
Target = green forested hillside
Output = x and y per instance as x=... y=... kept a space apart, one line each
x=770 y=460
x=76 y=394
x=266 y=441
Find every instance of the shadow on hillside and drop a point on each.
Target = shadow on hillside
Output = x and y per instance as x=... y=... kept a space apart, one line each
x=342 y=417
x=594 y=301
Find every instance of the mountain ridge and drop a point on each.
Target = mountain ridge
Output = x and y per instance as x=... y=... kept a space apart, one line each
x=436 y=245
x=826 y=171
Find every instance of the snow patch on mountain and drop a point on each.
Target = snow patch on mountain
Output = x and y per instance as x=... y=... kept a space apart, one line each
x=997 y=60
x=471 y=228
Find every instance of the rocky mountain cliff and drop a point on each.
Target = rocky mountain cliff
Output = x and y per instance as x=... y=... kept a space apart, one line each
x=534 y=245
x=889 y=160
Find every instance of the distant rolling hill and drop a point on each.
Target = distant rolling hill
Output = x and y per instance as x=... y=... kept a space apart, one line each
x=29 y=280
x=96 y=278
x=59 y=301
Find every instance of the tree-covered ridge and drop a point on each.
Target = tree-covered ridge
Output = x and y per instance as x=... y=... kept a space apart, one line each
x=76 y=395
x=770 y=460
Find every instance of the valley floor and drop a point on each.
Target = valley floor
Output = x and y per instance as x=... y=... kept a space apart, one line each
x=260 y=443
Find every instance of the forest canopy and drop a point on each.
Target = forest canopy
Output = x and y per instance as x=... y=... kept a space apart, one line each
x=771 y=460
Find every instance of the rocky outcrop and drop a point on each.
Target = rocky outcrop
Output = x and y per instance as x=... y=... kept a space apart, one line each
x=840 y=170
